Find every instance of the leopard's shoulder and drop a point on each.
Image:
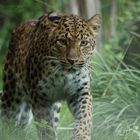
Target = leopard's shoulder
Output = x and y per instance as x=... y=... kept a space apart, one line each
x=22 y=32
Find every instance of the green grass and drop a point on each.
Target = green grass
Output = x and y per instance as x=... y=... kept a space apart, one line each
x=116 y=113
x=1 y=76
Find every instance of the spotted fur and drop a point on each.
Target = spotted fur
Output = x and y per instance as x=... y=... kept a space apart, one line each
x=48 y=61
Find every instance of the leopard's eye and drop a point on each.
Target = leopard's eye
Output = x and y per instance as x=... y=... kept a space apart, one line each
x=62 y=42
x=83 y=43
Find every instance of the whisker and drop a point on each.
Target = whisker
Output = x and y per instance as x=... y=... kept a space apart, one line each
x=63 y=61
x=57 y=68
x=52 y=57
x=90 y=67
x=46 y=58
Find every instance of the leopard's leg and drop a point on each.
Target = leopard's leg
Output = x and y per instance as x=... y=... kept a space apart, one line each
x=81 y=108
x=46 y=116
x=14 y=106
x=24 y=117
x=55 y=114
x=15 y=112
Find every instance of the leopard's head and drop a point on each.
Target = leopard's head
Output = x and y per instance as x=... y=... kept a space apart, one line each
x=71 y=40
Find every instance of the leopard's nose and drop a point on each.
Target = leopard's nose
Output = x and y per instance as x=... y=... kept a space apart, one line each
x=71 y=61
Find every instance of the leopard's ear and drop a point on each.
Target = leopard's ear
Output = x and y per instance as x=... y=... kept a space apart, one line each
x=95 y=23
x=54 y=17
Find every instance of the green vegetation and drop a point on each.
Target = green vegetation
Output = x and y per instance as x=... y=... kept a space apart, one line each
x=115 y=84
x=117 y=112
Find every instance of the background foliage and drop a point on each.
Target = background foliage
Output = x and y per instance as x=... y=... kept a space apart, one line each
x=116 y=65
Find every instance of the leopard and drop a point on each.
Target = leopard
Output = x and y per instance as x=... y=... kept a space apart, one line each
x=48 y=61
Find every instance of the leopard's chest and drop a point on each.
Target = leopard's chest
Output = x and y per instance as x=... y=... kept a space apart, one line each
x=62 y=85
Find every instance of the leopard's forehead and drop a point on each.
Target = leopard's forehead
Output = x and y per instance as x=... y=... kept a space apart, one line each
x=73 y=23
x=67 y=26
x=72 y=26
x=72 y=20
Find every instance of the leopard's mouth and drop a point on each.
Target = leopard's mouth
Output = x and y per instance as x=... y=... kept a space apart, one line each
x=72 y=67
